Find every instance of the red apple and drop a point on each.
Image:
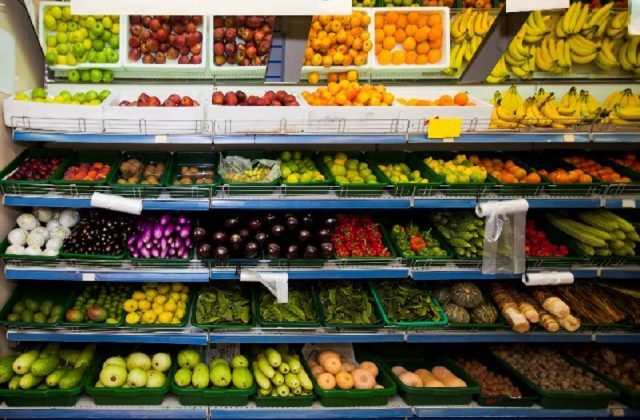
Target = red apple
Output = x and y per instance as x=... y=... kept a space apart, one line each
x=185 y=50
x=218 y=34
x=164 y=47
x=161 y=58
x=186 y=101
x=196 y=49
x=218 y=21
x=175 y=98
x=147 y=59
x=197 y=20
x=179 y=41
x=146 y=20
x=240 y=20
x=168 y=103
x=218 y=49
x=179 y=28
x=162 y=35
x=155 y=25
x=241 y=96
x=191 y=27
x=135 y=20
x=135 y=30
x=134 y=54
x=229 y=49
x=184 y=59
x=198 y=36
x=251 y=51
x=196 y=59
x=230 y=34
x=191 y=40
x=145 y=34
x=172 y=53
x=230 y=99
x=154 y=101
x=219 y=60
x=217 y=98
x=153 y=45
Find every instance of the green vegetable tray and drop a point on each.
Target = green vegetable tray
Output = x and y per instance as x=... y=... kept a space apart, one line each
x=571 y=243
x=446 y=243
x=167 y=262
x=53 y=397
x=88 y=324
x=352 y=189
x=182 y=324
x=401 y=189
x=289 y=401
x=141 y=190
x=500 y=324
x=23 y=187
x=3 y=253
x=376 y=324
x=205 y=160
x=73 y=256
x=356 y=397
x=306 y=188
x=616 y=188
x=224 y=325
x=284 y=324
x=432 y=396
x=408 y=324
x=125 y=396
x=248 y=188
x=87 y=156
x=412 y=259
x=566 y=399
x=520 y=188
x=59 y=295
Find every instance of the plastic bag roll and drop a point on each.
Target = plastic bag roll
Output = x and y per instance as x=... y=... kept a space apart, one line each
x=116 y=203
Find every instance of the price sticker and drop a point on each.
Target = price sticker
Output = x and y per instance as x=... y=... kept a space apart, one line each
x=161 y=139
x=628 y=203
x=569 y=138
x=529 y=6
x=88 y=276
x=444 y=128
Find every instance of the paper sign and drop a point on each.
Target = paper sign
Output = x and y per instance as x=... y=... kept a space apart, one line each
x=161 y=139
x=88 y=276
x=444 y=128
x=277 y=283
x=634 y=17
x=569 y=138
x=528 y=6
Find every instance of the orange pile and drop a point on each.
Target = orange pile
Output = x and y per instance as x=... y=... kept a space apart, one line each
x=593 y=168
x=506 y=172
x=460 y=99
x=408 y=37
x=478 y=4
x=338 y=40
x=345 y=93
x=561 y=176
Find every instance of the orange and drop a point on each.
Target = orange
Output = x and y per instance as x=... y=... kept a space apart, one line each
x=379 y=21
x=520 y=173
x=409 y=44
x=366 y=20
x=422 y=59
x=435 y=44
x=562 y=179
x=402 y=21
x=391 y=17
x=423 y=48
x=389 y=30
x=433 y=56
x=378 y=49
x=445 y=100
x=411 y=30
x=400 y=35
x=422 y=21
x=573 y=176
x=389 y=43
x=508 y=164
x=356 y=20
x=434 y=19
x=379 y=35
x=397 y=57
x=533 y=178
x=367 y=45
x=435 y=33
x=461 y=99
x=410 y=57
x=422 y=34
x=384 y=57
x=507 y=178
x=412 y=17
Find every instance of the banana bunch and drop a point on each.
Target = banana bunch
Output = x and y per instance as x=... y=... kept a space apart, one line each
x=616 y=27
x=606 y=58
x=629 y=54
x=578 y=20
x=623 y=108
x=509 y=110
x=467 y=31
x=553 y=56
x=579 y=106
x=536 y=27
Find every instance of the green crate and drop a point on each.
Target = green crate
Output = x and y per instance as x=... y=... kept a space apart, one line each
x=408 y=324
x=3 y=253
x=31 y=187
x=248 y=188
x=378 y=321
x=205 y=160
x=404 y=188
x=291 y=400
x=500 y=324
x=356 y=397
x=386 y=241
x=89 y=324
x=54 y=397
x=141 y=190
x=565 y=399
x=256 y=312
x=306 y=188
x=556 y=237
x=432 y=396
x=166 y=262
x=88 y=156
x=182 y=324
x=225 y=326
x=125 y=396
x=76 y=256
x=519 y=189
x=539 y=163
x=411 y=259
x=355 y=190
x=59 y=295
x=631 y=188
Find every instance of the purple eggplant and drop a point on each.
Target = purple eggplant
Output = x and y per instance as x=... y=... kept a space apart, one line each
x=183 y=220
x=199 y=234
x=220 y=238
x=261 y=238
x=184 y=231
x=304 y=235
x=231 y=223
x=251 y=250
x=292 y=223
x=327 y=250
x=145 y=253
x=324 y=234
x=204 y=252
x=168 y=229
x=277 y=231
x=155 y=252
x=165 y=219
x=235 y=241
x=163 y=243
x=292 y=251
x=244 y=234
x=255 y=224
x=273 y=250
x=146 y=235
x=310 y=251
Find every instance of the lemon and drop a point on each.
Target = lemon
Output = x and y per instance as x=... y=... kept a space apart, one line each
x=176 y=287
x=164 y=289
x=151 y=293
x=184 y=297
x=175 y=321
x=132 y=318
x=165 y=318
x=160 y=299
x=144 y=305
x=170 y=306
x=180 y=312
x=175 y=296
x=138 y=295
x=158 y=310
x=149 y=317
x=130 y=305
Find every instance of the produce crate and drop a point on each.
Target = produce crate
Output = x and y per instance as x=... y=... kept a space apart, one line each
x=432 y=396
x=248 y=188
x=182 y=324
x=386 y=241
x=88 y=324
x=60 y=295
x=22 y=187
x=225 y=326
x=273 y=324
x=610 y=188
x=408 y=324
x=565 y=399
x=76 y=256
x=291 y=400
x=571 y=243
x=354 y=190
x=54 y=397
x=500 y=324
x=518 y=189
x=356 y=397
x=202 y=160
x=141 y=190
x=166 y=262
x=377 y=323
x=307 y=188
x=433 y=260
x=90 y=157
x=539 y=162
x=7 y=257
x=559 y=238
x=125 y=396
x=404 y=188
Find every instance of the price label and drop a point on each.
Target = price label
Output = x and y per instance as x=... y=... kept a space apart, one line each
x=528 y=6
x=88 y=276
x=161 y=139
x=444 y=128
x=628 y=203
x=569 y=138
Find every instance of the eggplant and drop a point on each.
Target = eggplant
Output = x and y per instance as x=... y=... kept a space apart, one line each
x=235 y=241
x=292 y=251
x=261 y=238
x=168 y=229
x=273 y=250
x=311 y=251
x=231 y=223
x=327 y=250
x=292 y=223
x=165 y=219
x=331 y=223
x=199 y=234
x=222 y=253
x=304 y=235
x=270 y=219
x=324 y=234
x=307 y=219
x=255 y=224
x=251 y=250
x=244 y=233
x=220 y=238
x=277 y=231
x=204 y=252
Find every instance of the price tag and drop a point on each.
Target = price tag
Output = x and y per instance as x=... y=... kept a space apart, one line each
x=569 y=138
x=634 y=17
x=528 y=6
x=628 y=203
x=617 y=412
x=277 y=283
x=444 y=128
x=161 y=139
x=88 y=276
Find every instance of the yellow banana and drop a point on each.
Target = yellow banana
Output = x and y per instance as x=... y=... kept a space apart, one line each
x=470 y=30
x=612 y=100
x=571 y=17
x=543 y=58
x=632 y=51
x=553 y=51
x=628 y=112
x=560 y=33
x=622 y=57
x=620 y=20
x=562 y=61
x=468 y=50
x=582 y=18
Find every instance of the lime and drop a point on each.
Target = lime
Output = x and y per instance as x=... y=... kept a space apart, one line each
x=50 y=22
x=52 y=41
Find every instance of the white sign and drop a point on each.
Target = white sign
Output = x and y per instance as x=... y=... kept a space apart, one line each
x=528 y=6
x=277 y=283
x=634 y=17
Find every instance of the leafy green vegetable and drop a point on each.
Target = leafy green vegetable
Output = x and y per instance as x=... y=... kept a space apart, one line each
x=346 y=302
x=299 y=308
x=223 y=303
x=406 y=301
x=463 y=230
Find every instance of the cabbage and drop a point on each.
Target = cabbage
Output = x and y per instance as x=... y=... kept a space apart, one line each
x=18 y=237
x=69 y=218
x=61 y=232
x=33 y=250
x=43 y=231
x=54 y=243
x=49 y=252
x=52 y=224
x=27 y=221
x=15 y=250
x=35 y=239
x=43 y=214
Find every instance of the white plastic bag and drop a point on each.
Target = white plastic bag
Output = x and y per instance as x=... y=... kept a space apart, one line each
x=504 y=233
x=239 y=169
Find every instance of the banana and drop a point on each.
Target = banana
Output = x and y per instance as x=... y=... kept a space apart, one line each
x=571 y=18
x=541 y=21
x=519 y=46
x=535 y=25
x=612 y=100
x=605 y=59
x=602 y=28
x=598 y=18
x=583 y=46
x=553 y=51
x=582 y=18
x=543 y=57
x=578 y=53
x=456 y=62
x=632 y=51
x=562 y=60
x=479 y=24
x=521 y=72
x=622 y=57
x=470 y=30
x=457 y=30
x=592 y=104
x=567 y=55
x=468 y=50
x=533 y=39
x=496 y=122
x=628 y=112
x=560 y=33
x=532 y=59
x=620 y=20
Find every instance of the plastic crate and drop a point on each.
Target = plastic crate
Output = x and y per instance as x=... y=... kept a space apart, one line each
x=89 y=324
x=141 y=190
x=411 y=259
x=289 y=401
x=409 y=324
x=87 y=156
x=21 y=187
x=182 y=324
x=306 y=188
x=60 y=295
x=376 y=324
x=4 y=255
x=386 y=241
x=227 y=326
x=201 y=160
x=539 y=163
x=248 y=188
x=404 y=188
x=284 y=324
x=455 y=189
x=353 y=189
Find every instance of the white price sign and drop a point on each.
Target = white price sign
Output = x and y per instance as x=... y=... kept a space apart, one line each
x=529 y=6
x=277 y=283
x=634 y=17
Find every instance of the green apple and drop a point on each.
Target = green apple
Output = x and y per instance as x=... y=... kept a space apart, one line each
x=72 y=26
x=52 y=41
x=101 y=57
x=78 y=49
x=85 y=76
x=56 y=12
x=104 y=94
x=107 y=76
x=90 y=95
x=112 y=56
x=62 y=27
x=79 y=97
x=38 y=93
x=21 y=97
x=98 y=45
x=97 y=29
x=73 y=76
x=51 y=58
x=66 y=13
x=62 y=38
x=106 y=36
x=96 y=75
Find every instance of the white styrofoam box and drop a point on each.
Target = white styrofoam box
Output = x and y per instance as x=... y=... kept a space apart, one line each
x=474 y=117
x=154 y=120
x=43 y=32
x=415 y=70
x=67 y=118
x=257 y=119
x=170 y=65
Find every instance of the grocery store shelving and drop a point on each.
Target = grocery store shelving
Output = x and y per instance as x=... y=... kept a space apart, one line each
x=42 y=136
x=85 y=202
x=94 y=272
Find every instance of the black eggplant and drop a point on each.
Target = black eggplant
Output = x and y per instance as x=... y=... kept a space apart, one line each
x=311 y=251
x=235 y=241
x=199 y=234
x=273 y=250
x=261 y=238
x=231 y=223
x=292 y=251
x=326 y=250
x=304 y=235
x=204 y=251
x=255 y=224
x=220 y=238
x=277 y=230
x=222 y=253
x=251 y=250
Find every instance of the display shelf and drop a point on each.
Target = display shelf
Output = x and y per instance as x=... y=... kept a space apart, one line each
x=509 y=137
x=85 y=203
x=311 y=202
x=326 y=273
x=43 y=136
x=501 y=337
x=66 y=272
x=473 y=410
x=301 y=336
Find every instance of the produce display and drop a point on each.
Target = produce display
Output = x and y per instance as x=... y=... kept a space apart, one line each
x=620 y=366
x=268 y=236
x=79 y=39
x=464 y=302
x=133 y=171
x=507 y=172
x=459 y=170
x=491 y=383
x=242 y=40
x=48 y=367
x=100 y=232
x=597 y=170
x=345 y=93
x=622 y=107
x=338 y=40
x=537 y=244
x=459 y=99
x=165 y=39
x=599 y=233
x=462 y=230
x=346 y=302
x=42 y=232
x=406 y=301
x=223 y=303
x=411 y=241
x=98 y=304
x=189 y=175
x=299 y=308
x=563 y=176
x=437 y=377
x=153 y=101
x=332 y=371
x=401 y=173
x=628 y=160
x=279 y=373
x=157 y=303
x=549 y=370
x=90 y=97
x=295 y=168
x=93 y=172
x=136 y=370
x=408 y=38
x=30 y=310
x=349 y=170
x=468 y=29
x=166 y=237
x=240 y=98
x=35 y=168
x=357 y=236
x=220 y=373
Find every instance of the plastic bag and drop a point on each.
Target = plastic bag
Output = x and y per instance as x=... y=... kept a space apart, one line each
x=240 y=169
x=503 y=236
x=345 y=350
